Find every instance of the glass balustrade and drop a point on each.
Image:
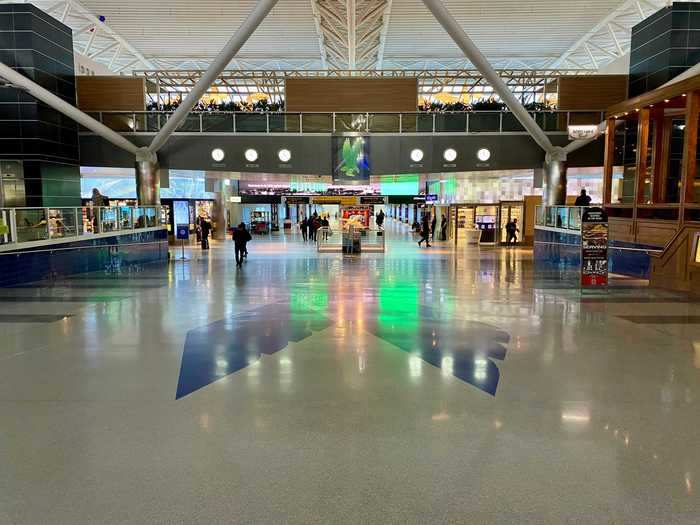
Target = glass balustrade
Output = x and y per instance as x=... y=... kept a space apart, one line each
x=43 y=225
x=281 y=122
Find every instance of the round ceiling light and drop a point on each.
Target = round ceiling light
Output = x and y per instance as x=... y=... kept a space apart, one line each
x=483 y=154
x=217 y=154
x=284 y=155
x=416 y=155
x=251 y=155
x=450 y=155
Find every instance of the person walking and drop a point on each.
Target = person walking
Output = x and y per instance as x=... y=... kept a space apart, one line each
x=433 y=224
x=205 y=227
x=304 y=227
x=443 y=228
x=241 y=236
x=512 y=232
x=425 y=231
x=380 y=219
x=325 y=224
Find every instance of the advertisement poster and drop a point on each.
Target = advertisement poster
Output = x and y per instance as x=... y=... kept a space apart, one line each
x=594 y=248
x=357 y=216
x=351 y=160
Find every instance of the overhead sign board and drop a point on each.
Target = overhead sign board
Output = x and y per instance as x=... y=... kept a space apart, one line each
x=371 y=199
x=431 y=198
x=585 y=132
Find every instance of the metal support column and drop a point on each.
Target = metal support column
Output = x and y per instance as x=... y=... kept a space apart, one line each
x=147 y=182
x=554 y=181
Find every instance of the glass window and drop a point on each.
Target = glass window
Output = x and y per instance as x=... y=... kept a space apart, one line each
x=62 y=223
x=32 y=225
x=675 y=160
x=109 y=220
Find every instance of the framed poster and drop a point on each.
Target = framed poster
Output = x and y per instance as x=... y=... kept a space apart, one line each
x=594 y=248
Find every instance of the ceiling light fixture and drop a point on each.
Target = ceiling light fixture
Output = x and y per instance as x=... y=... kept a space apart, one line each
x=251 y=155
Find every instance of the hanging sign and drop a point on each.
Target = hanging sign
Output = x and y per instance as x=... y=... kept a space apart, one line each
x=594 y=248
x=578 y=131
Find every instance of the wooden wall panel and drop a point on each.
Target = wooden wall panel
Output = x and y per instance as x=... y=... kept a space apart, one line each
x=621 y=229
x=351 y=94
x=655 y=233
x=111 y=93
x=594 y=92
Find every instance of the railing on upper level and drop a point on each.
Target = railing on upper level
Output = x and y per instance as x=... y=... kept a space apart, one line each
x=418 y=122
x=22 y=226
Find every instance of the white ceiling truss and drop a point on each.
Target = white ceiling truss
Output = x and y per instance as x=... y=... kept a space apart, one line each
x=351 y=33
x=610 y=38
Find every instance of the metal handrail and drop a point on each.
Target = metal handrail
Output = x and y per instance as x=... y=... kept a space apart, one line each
x=262 y=122
x=45 y=224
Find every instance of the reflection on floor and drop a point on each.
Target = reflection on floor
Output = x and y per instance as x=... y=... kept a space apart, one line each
x=439 y=385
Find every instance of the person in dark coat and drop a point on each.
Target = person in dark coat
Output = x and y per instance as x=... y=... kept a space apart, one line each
x=241 y=236
x=433 y=224
x=205 y=226
x=443 y=228
x=304 y=227
x=380 y=219
x=425 y=231
x=583 y=199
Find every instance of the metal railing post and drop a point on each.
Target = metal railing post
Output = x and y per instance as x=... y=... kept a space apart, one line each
x=234 y=122
x=367 y=122
x=13 y=226
x=267 y=122
x=400 y=122
x=433 y=122
x=467 y=122
x=75 y=212
x=301 y=123
x=333 y=123
x=201 y=127
x=500 y=122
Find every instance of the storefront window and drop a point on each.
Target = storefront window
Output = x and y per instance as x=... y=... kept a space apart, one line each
x=675 y=161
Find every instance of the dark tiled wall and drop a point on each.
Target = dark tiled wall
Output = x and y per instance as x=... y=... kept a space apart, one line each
x=41 y=48
x=663 y=46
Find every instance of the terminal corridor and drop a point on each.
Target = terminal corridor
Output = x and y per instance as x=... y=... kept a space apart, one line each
x=436 y=385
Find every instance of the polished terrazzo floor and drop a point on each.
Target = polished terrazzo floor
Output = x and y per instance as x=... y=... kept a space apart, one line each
x=433 y=385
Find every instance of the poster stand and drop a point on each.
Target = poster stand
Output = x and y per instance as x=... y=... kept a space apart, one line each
x=182 y=233
x=594 y=249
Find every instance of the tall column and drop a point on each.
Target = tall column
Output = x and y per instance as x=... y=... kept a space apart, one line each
x=147 y=182
x=219 y=211
x=554 y=182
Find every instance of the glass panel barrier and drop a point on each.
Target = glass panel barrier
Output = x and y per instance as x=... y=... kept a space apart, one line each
x=317 y=122
x=32 y=224
x=88 y=222
x=6 y=226
x=575 y=218
x=125 y=218
x=484 y=121
x=450 y=122
x=108 y=220
x=123 y=122
x=384 y=123
x=285 y=122
x=62 y=223
x=217 y=122
x=350 y=122
x=251 y=122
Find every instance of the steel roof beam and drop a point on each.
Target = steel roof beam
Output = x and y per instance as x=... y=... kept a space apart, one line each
x=249 y=25
x=472 y=52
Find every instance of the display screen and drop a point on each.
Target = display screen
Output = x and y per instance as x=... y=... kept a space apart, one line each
x=351 y=160
x=181 y=212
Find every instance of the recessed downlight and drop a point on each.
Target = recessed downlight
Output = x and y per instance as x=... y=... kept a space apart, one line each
x=450 y=155
x=416 y=155
x=483 y=154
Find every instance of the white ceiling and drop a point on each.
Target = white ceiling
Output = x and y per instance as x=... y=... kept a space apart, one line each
x=298 y=34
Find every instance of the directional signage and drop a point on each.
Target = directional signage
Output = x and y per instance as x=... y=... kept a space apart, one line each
x=594 y=248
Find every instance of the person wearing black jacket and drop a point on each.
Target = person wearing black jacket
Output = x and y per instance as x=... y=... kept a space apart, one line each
x=241 y=236
x=433 y=223
x=425 y=231
x=205 y=226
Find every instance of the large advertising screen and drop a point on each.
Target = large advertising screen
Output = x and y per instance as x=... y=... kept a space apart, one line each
x=351 y=160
